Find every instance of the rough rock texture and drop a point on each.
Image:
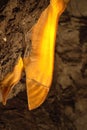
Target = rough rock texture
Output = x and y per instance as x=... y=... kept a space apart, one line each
x=16 y=19
x=66 y=105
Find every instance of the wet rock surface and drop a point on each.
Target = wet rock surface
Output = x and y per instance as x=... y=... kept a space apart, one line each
x=66 y=105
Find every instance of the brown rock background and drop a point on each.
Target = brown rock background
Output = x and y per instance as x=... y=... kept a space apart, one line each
x=66 y=105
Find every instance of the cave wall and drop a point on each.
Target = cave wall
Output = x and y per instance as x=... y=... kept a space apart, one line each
x=65 y=107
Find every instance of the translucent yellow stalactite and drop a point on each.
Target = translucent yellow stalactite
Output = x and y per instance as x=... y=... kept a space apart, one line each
x=39 y=64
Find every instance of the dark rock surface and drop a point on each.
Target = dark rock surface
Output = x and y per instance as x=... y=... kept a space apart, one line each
x=66 y=105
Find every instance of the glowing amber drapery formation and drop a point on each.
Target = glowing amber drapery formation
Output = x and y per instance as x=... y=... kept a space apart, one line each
x=38 y=65
x=11 y=80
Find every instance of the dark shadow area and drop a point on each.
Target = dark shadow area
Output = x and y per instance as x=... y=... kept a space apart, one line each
x=3 y=4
